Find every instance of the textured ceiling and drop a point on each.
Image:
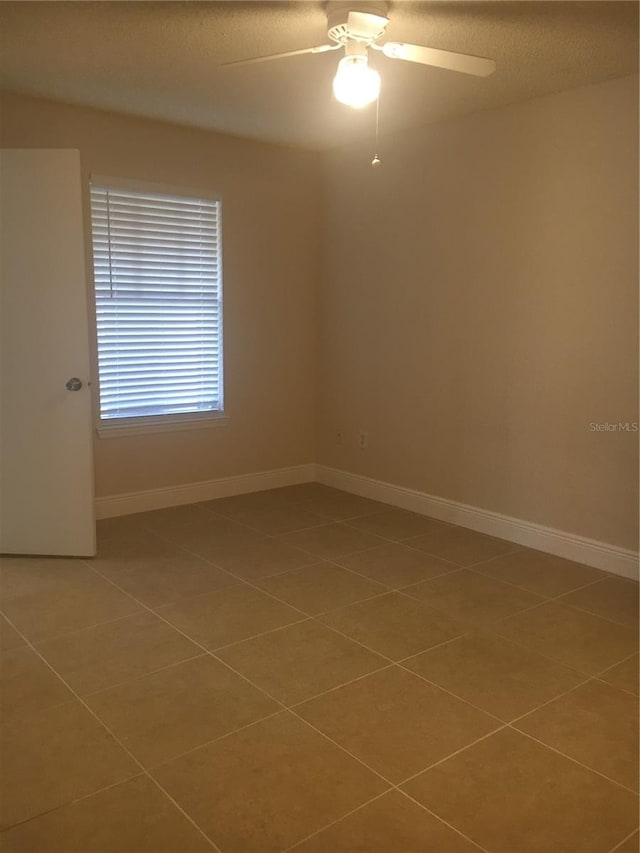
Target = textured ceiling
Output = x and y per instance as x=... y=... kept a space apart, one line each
x=162 y=60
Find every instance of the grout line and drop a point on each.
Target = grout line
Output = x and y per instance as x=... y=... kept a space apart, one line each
x=476 y=571
x=393 y=662
x=357 y=601
x=373 y=800
x=450 y=693
x=390 y=588
x=411 y=657
x=575 y=760
x=333 y=822
x=340 y=686
x=516 y=548
x=206 y=743
x=446 y=822
x=119 y=742
x=626 y=838
x=577 y=589
x=537 y=708
x=413 y=776
x=588 y=677
x=71 y=802
x=56 y=637
x=600 y=675
x=559 y=598
x=481 y=624
x=305 y=618
x=321 y=523
x=305 y=722
x=615 y=686
x=323 y=562
x=141 y=675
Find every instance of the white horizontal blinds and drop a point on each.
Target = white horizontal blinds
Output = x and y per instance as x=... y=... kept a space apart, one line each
x=158 y=288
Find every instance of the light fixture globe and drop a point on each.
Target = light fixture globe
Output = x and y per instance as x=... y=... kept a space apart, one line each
x=355 y=84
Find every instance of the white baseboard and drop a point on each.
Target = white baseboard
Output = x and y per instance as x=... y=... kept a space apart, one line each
x=610 y=558
x=206 y=490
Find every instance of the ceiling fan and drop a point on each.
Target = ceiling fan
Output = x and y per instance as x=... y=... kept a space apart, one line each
x=359 y=27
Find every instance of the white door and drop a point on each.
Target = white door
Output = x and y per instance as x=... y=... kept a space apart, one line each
x=46 y=457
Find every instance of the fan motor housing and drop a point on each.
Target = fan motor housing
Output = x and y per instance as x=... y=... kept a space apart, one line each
x=351 y=20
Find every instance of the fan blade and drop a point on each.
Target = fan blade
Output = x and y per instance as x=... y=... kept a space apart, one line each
x=323 y=48
x=462 y=62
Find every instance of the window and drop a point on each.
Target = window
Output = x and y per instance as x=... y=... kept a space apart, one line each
x=158 y=295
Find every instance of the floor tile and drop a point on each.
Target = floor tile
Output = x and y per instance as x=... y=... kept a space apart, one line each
x=264 y=788
x=52 y=757
x=473 y=598
x=169 y=712
x=132 y=817
x=128 y=538
x=462 y=546
x=595 y=724
x=260 y=560
x=577 y=639
x=394 y=625
x=320 y=587
x=340 y=506
x=53 y=602
x=9 y=637
x=624 y=675
x=169 y=523
x=232 y=506
x=395 y=722
x=214 y=538
x=161 y=573
x=496 y=675
x=332 y=540
x=396 y=524
x=396 y=565
x=309 y=491
x=27 y=684
x=23 y=576
x=509 y=793
x=544 y=574
x=612 y=598
x=279 y=519
x=108 y=528
x=390 y=824
x=300 y=661
x=109 y=654
x=229 y=615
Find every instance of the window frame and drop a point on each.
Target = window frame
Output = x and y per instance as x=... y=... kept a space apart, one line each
x=127 y=426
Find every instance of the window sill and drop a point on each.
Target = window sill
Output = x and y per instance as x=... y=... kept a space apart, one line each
x=135 y=426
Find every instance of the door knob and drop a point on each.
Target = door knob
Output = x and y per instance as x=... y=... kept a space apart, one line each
x=74 y=384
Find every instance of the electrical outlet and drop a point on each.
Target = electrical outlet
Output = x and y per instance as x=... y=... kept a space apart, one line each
x=363 y=439
x=339 y=437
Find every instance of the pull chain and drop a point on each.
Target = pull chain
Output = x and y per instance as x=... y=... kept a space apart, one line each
x=376 y=160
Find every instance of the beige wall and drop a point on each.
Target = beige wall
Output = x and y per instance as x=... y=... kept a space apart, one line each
x=479 y=309
x=271 y=246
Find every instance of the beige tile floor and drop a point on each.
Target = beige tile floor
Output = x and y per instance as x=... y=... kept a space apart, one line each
x=306 y=669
